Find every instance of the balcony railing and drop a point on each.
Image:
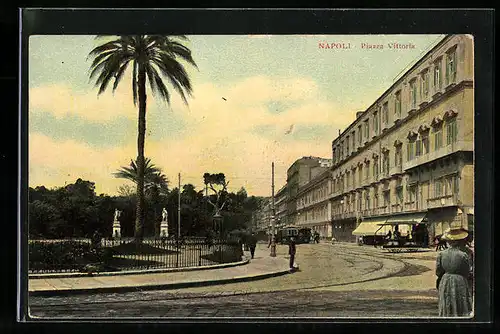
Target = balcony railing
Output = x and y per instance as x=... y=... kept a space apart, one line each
x=441 y=152
x=441 y=201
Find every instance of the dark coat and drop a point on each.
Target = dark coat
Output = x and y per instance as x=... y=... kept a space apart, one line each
x=252 y=241
x=291 y=248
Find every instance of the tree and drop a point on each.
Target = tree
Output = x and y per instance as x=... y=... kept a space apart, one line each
x=153 y=57
x=155 y=186
x=218 y=184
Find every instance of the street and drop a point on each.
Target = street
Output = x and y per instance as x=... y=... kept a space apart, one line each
x=338 y=280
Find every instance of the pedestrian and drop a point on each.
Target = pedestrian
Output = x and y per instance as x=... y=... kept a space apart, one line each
x=252 y=243
x=453 y=271
x=291 y=251
x=316 y=237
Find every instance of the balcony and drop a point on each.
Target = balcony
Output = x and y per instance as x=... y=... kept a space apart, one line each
x=395 y=208
x=442 y=201
x=396 y=170
x=411 y=206
x=437 y=154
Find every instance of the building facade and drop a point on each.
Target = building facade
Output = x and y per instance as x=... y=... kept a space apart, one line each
x=409 y=156
x=314 y=206
x=300 y=173
x=262 y=216
x=281 y=209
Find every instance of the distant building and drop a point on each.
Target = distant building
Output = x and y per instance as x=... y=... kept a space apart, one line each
x=313 y=204
x=281 y=207
x=300 y=173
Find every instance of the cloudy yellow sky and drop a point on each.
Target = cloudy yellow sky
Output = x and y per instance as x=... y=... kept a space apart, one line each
x=249 y=92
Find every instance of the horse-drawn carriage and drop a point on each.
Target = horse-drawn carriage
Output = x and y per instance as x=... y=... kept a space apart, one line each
x=414 y=239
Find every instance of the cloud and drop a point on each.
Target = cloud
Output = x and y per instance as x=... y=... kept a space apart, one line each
x=62 y=100
x=218 y=135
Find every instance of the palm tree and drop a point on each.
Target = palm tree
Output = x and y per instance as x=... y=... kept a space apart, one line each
x=153 y=58
x=155 y=182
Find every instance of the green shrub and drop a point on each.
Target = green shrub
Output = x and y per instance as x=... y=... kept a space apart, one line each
x=60 y=255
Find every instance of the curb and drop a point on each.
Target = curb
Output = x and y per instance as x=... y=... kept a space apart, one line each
x=166 y=286
x=139 y=272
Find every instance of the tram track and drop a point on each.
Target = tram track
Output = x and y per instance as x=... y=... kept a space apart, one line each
x=343 y=253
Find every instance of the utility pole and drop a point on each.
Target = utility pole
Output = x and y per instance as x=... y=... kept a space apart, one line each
x=273 y=211
x=178 y=221
x=179 y=210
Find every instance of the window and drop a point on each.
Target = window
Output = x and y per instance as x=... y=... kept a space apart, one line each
x=375 y=199
x=456 y=182
x=438 y=138
x=347 y=146
x=354 y=178
x=360 y=175
x=425 y=144
x=409 y=151
x=367 y=173
x=385 y=113
x=451 y=131
x=451 y=67
x=385 y=166
x=413 y=93
x=437 y=75
x=359 y=202
x=418 y=148
x=367 y=129
x=353 y=140
x=448 y=186
x=375 y=123
x=412 y=193
x=397 y=104
x=399 y=195
x=398 y=156
x=367 y=200
x=360 y=136
x=438 y=188
x=387 y=198
x=424 y=89
x=375 y=168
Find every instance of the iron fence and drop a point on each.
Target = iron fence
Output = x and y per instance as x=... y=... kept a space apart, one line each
x=84 y=254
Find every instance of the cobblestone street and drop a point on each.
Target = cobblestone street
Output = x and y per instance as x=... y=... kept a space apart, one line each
x=333 y=281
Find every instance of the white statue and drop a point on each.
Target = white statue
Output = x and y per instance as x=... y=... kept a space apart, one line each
x=117 y=214
x=164 y=223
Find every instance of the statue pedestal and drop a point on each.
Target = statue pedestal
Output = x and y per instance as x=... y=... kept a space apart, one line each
x=164 y=229
x=116 y=229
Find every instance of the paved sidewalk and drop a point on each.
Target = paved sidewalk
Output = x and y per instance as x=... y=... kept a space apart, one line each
x=261 y=267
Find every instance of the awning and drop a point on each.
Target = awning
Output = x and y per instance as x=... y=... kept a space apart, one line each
x=411 y=218
x=370 y=227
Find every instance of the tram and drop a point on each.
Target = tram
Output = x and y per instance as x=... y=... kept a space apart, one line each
x=302 y=235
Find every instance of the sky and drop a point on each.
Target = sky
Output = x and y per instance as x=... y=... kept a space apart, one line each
x=257 y=99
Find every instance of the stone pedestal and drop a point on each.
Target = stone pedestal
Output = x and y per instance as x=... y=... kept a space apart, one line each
x=116 y=229
x=164 y=229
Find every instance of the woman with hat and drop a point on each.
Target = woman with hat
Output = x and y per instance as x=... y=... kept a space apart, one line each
x=453 y=268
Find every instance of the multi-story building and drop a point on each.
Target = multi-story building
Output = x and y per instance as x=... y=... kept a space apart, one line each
x=409 y=156
x=301 y=172
x=313 y=204
x=281 y=209
x=262 y=216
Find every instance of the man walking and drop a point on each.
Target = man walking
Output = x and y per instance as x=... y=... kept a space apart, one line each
x=252 y=243
x=291 y=252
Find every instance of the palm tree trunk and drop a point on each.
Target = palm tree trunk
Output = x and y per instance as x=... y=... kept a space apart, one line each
x=139 y=219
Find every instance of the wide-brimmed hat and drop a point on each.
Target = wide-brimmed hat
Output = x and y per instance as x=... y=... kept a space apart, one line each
x=456 y=233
